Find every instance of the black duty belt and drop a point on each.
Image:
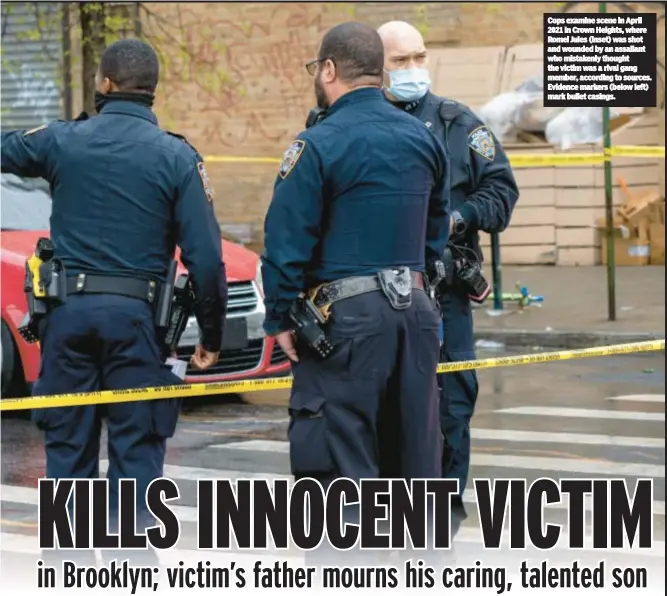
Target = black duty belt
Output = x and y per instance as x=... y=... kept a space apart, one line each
x=85 y=283
x=354 y=286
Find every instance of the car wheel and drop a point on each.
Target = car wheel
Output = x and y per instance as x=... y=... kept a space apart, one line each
x=12 y=371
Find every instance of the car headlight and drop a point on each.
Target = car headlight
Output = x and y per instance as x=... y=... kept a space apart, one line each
x=258 y=277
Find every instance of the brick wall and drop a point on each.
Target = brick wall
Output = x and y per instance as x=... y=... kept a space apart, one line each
x=237 y=85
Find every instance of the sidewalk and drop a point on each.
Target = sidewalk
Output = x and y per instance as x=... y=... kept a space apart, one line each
x=574 y=313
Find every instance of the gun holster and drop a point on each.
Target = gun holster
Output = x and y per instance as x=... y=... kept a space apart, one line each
x=182 y=307
x=308 y=326
x=45 y=287
x=162 y=312
x=173 y=307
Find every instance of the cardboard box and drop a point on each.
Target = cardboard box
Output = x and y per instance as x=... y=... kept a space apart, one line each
x=656 y=213
x=657 y=238
x=631 y=247
x=640 y=207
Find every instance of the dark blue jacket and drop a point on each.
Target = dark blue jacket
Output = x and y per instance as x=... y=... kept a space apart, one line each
x=365 y=189
x=125 y=193
x=484 y=190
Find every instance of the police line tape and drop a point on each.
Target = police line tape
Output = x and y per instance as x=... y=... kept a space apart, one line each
x=244 y=386
x=523 y=160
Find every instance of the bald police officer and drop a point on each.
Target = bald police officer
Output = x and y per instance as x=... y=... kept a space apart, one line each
x=360 y=203
x=484 y=193
x=125 y=193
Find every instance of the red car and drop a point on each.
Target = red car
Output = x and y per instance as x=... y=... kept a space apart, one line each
x=246 y=353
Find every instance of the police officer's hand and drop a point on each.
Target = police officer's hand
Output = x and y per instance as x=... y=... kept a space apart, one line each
x=451 y=224
x=202 y=359
x=286 y=342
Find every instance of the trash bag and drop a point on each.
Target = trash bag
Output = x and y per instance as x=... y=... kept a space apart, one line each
x=576 y=126
x=518 y=110
x=501 y=113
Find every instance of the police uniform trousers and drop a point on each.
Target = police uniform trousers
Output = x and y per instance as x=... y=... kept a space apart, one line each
x=458 y=394
x=371 y=409
x=95 y=343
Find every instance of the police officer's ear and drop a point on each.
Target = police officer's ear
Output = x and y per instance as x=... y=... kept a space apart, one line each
x=103 y=84
x=328 y=70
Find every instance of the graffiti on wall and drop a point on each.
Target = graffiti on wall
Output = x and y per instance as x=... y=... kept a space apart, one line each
x=237 y=79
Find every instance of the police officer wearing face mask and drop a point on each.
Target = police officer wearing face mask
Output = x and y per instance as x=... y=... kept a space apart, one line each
x=484 y=193
x=125 y=193
x=360 y=203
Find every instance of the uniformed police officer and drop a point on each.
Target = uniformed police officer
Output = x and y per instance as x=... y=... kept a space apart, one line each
x=484 y=193
x=125 y=193
x=357 y=196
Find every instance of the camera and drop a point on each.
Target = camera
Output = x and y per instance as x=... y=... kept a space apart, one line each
x=459 y=270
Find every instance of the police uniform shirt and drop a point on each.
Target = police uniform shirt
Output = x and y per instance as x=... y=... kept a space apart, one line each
x=484 y=190
x=365 y=189
x=125 y=193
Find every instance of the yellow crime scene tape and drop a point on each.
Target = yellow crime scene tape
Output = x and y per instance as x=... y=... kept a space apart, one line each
x=245 y=386
x=519 y=160
x=636 y=151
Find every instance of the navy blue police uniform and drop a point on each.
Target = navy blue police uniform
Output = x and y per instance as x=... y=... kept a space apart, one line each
x=484 y=193
x=125 y=194
x=365 y=190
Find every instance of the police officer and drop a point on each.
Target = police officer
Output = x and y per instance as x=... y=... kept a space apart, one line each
x=358 y=196
x=125 y=193
x=484 y=193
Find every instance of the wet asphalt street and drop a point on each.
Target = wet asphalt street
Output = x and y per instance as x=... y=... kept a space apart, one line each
x=588 y=418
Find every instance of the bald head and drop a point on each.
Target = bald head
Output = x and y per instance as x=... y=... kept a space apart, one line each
x=403 y=45
x=399 y=30
x=405 y=62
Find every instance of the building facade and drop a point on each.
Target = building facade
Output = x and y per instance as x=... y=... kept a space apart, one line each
x=233 y=78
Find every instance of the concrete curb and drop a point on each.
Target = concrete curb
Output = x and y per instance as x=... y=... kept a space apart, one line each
x=566 y=340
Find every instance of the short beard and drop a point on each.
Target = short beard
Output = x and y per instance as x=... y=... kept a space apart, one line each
x=320 y=95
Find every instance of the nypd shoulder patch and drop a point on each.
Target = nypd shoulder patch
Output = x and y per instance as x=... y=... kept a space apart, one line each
x=290 y=158
x=208 y=189
x=481 y=141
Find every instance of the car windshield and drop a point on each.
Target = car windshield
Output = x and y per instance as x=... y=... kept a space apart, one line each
x=25 y=204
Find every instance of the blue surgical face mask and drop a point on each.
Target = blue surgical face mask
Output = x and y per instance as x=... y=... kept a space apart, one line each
x=409 y=84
